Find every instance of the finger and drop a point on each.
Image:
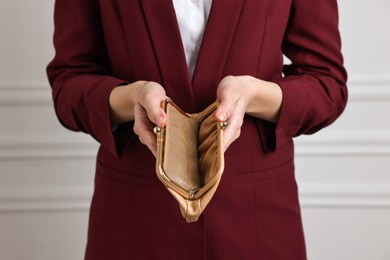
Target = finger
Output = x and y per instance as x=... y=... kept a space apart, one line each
x=235 y=121
x=143 y=128
x=232 y=132
x=151 y=100
x=228 y=96
x=155 y=113
x=149 y=139
x=229 y=136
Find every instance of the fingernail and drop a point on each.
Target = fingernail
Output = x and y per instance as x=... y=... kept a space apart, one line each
x=222 y=116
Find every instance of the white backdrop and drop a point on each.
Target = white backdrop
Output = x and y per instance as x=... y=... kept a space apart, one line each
x=46 y=172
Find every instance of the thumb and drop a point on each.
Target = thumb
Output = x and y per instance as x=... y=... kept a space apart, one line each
x=227 y=98
x=151 y=100
x=155 y=113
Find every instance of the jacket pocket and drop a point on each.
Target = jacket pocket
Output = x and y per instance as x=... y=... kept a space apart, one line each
x=121 y=176
x=266 y=174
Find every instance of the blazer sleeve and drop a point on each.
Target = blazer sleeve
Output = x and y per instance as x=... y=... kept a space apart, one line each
x=80 y=74
x=314 y=84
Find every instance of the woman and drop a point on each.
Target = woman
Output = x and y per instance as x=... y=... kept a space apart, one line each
x=116 y=60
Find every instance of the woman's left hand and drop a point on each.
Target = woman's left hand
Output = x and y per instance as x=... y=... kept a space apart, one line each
x=240 y=95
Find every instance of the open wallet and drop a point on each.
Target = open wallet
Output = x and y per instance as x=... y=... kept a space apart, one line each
x=190 y=157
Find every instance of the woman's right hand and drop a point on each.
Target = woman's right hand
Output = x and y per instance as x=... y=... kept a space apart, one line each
x=139 y=101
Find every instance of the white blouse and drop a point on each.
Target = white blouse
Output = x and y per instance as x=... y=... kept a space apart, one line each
x=192 y=17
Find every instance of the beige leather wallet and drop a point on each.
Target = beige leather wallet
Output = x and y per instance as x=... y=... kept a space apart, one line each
x=190 y=158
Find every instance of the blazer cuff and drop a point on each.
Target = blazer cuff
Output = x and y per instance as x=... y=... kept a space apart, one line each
x=94 y=114
x=274 y=135
x=114 y=141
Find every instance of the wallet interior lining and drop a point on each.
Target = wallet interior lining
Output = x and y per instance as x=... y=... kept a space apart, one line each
x=192 y=143
x=181 y=137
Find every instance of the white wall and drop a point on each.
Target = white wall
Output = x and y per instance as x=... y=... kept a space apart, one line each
x=46 y=172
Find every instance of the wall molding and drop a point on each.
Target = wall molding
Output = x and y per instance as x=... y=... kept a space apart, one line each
x=345 y=195
x=343 y=143
x=45 y=199
x=49 y=146
x=369 y=88
x=369 y=196
x=25 y=95
x=361 y=88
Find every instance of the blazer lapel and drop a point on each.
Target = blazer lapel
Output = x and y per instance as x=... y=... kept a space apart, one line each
x=164 y=31
x=214 y=51
x=165 y=35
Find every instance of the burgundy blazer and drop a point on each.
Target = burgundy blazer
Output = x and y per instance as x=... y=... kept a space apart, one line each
x=255 y=212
